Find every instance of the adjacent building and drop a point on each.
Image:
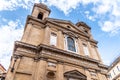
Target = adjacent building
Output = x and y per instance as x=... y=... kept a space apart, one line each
x=2 y=72
x=55 y=49
x=114 y=70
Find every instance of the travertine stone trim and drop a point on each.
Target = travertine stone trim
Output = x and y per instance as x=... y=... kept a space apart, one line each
x=100 y=76
x=11 y=75
x=89 y=48
x=41 y=70
x=80 y=47
x=60 y=40
x=60 y=72
x=98 y=54
x=47 y=36
x=26 y=35
x=87 y=74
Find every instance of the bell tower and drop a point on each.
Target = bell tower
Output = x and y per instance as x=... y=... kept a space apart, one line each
x=40 y=11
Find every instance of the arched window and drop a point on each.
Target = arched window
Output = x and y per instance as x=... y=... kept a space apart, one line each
x=40 y=16
x=71 y=44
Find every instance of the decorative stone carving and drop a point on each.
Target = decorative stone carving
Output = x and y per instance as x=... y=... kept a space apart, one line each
x=75 y=74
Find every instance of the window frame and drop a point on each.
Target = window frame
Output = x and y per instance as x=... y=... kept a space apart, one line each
x=85 y=47
x=40 y=16
x=114 y=72
x=53 y=35
x=75 y=43
x=118 y=68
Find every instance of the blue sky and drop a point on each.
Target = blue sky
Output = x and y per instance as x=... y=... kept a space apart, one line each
x=103 y=16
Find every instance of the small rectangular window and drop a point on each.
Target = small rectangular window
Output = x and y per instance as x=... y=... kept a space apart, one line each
x=118 y=68
x=114 y=72
x=110 y=76
x=86 y=51
x=53 y=39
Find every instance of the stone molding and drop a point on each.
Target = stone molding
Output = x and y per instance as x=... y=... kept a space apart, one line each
x=75 y=74
x=34 y=21
x=82 y=24
x=37 y=49
x=43 y=6
x=44 y=51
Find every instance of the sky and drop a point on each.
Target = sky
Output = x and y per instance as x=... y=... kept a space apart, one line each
x=103 y=16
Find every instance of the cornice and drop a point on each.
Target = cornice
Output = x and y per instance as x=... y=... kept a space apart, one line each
x=67 y=29
x=82 y=24
x=2 y=67
x=42 y=48
x=103 y=66
x=33 y=20
x=51 y=48
x=93 y=41
x=41 y=5
x=114 y=63
x=116 y=77
x=64 y=21
x=19 y=44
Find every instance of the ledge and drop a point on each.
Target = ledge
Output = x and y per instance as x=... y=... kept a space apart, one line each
x=38 y=48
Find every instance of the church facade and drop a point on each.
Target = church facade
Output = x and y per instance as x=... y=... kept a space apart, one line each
x=54 y=49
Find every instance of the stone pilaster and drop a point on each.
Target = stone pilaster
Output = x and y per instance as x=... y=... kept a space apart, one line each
x=13 y=67
x=40 y=70
x=98 y=54
x=80 y=45
x=60 y=40
x=26 y=36
x=88 y=74
x=60 y=72
x=90 y=50
x=100 y=76
x=46 y=39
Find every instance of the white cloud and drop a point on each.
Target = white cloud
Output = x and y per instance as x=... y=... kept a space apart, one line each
x=108 y=15
x=67 y=5
x=64 y=5
x=92 y=18
x=105 y=10
x=8 y=34
x=100 y=8
x=14 y=4
x=111 y=26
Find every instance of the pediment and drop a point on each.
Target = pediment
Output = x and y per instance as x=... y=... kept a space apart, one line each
x=66 y=24
x=75 y=74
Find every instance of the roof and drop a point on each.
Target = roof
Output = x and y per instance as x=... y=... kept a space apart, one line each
x=2 y=67
x=43 y=6
x=83 y=24
x=114 y=63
